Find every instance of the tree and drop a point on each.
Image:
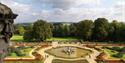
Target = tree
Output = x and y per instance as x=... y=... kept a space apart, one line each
x=28 y=35
x=118 y=30
x=41 y=30
x=58 y=30
x=28 y=26
x=19 y=29
x=84 y=29
x=61 y=30
x=73 y=29
x=101 y=27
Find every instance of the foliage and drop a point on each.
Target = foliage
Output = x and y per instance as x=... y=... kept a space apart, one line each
x=61 y=30
x=84 y=29
x=118 y=55
x=20 y=51
x=28 y=35
x=115 y=52
x=19 y=29
x=41 y=30
x=100 y=30
x=117 y=31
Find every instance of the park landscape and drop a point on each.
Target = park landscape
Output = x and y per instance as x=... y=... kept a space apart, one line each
x=64 y=50
x=61 y=33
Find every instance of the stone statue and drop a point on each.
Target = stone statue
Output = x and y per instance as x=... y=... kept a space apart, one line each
x=6 y=29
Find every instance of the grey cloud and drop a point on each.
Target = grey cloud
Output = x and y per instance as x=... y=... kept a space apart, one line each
x=63 y=4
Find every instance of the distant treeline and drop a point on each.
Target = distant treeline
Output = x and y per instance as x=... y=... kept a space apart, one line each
x=99 y=30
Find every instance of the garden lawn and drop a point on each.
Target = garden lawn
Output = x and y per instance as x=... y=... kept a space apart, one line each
x=34 y=61
x=63 y=38
x=17 y=38
x=66 y=61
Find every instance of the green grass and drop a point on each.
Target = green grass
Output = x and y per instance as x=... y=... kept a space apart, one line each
x=113 y=52
x=17 y=38
x=34 y=61
x=62 y=38
x=23 y=51
x=66 y=61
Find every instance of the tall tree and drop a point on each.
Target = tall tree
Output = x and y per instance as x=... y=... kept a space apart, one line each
x=118 y=32
x=101 y=27
x=73 y=29
x=28 y=34
x=41 y=30
x=84 y=29
x=61 y=30
x=58 y=29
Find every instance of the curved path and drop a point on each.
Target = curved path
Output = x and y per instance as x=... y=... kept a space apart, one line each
x=48 y=58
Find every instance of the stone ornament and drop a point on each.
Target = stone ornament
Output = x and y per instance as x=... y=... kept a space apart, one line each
x=6 y=29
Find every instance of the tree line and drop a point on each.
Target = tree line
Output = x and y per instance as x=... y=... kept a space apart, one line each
x=98 y=30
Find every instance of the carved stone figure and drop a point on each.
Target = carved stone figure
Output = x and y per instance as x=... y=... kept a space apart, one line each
x=6 y=29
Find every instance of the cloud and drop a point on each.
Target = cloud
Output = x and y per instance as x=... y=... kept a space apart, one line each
x=66 y=4
x=67 y=10
x=16 y=7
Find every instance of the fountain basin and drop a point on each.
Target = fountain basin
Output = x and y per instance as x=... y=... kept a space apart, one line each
x=68 y=52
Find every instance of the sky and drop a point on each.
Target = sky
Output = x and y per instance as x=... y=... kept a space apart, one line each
x=66 y=10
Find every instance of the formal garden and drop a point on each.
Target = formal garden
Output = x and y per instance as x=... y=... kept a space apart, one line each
x=64 y=52
x=60 y=43
x=50 y=31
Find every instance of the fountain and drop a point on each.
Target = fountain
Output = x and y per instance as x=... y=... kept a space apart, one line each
x=68 y=50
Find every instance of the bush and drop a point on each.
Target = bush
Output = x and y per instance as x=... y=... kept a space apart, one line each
x=104 y=47
x=28 y=36
x=117 y=49
x=118 y=55
x=18 y=53
x=21 y=47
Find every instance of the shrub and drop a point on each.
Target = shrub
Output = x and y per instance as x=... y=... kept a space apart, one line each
x=117 y=49
x=118 y=55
